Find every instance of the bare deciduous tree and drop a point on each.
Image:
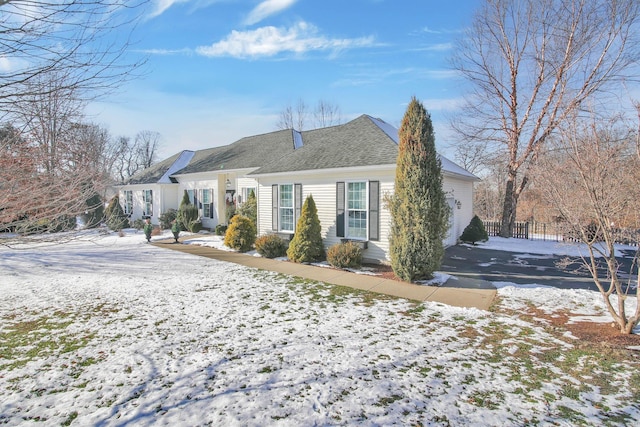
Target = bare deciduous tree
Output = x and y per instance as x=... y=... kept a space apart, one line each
x=56 y=56
x=84 y=41
x=147 y=144
x=589 y=173
x=55 y=165
x=531 y=64
x=325 y=114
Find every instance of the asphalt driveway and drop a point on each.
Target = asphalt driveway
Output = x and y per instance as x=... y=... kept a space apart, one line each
x=522 y=268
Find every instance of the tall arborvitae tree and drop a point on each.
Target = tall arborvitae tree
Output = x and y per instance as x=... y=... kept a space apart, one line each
x=306 y=245
x=116 y=218
x=419 y=209
x=181 y=216
x=250 y=208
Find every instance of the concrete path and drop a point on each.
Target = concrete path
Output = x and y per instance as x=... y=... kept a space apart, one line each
x=459 y=292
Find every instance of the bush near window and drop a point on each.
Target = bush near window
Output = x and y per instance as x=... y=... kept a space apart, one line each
x=166 y=219
x=241 y=234
x=250 y=208
x=271 y=246
x=345 y=255
x=474 y=232
x=221 y=229
x=306 y=245
x=189 y=218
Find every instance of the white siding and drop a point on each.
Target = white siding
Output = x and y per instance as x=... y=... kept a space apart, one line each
x=462 y=194
x=323 y=189
x=164 y=198
x=201 y=182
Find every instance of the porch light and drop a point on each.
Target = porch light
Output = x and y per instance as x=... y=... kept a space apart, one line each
x=228 y=184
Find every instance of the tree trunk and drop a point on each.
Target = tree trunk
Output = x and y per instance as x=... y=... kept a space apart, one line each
x=509 y=207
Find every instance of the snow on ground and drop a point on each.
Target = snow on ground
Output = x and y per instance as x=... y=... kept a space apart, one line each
x=542 y=247
x=111 y=331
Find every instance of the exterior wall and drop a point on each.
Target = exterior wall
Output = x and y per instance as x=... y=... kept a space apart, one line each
x=202 y=182
x=323 y=189
x=221 y=196
x=164 y=198
x=460 y=195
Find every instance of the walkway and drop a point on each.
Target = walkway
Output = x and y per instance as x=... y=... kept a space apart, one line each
x=458 y=291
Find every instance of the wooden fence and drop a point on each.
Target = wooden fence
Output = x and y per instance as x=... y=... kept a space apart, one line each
x=555 y=232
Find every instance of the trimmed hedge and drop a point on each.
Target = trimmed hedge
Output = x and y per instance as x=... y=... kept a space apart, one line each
x=241 y=234
x=345 y=255
x=271 y=246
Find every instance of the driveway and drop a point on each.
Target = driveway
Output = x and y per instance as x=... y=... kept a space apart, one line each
x=522 y=268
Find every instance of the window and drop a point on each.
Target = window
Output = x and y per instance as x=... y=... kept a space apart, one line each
x=192 y=196
x=245 y=194
x=128 y=202
x=285 y=206
x=207 y=204
x=147 y=203
x=357 y=210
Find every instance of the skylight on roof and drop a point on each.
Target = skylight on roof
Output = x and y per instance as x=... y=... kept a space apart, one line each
x=297 y=139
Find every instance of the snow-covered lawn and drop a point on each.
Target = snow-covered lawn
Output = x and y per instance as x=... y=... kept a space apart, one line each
x=111 y=331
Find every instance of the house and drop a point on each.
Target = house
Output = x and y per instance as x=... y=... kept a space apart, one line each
x=347 y=168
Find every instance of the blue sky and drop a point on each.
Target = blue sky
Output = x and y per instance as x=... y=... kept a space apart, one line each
x=219 y=70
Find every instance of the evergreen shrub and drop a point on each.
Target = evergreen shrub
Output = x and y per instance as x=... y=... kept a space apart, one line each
x=418 y=207
x=345 y=255
x=166 y=219
x=241 y=234
x=271 y=246
x=306 y=245
x=221 y=229
x=189 y=218
x=116 y=219
x=474 y=232
x=250 y=208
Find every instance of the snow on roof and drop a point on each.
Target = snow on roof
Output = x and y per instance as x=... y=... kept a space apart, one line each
x=449 y=166
x=181 y=162
x=391 y=131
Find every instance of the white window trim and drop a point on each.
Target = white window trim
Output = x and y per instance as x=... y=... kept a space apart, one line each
x=128 y=202
x=146 y=203
x=293 y=208
x=347 y=210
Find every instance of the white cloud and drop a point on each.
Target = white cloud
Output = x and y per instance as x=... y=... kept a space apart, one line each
x=267 y=8
x=160 y=6
x=269 y=41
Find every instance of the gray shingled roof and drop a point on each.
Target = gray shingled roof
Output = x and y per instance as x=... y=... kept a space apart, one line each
x=250 y=152
x=359 y=142
x=364 y=141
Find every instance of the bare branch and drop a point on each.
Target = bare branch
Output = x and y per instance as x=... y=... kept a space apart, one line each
x=532 y=65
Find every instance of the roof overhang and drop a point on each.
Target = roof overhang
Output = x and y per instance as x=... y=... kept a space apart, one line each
x=336 y=171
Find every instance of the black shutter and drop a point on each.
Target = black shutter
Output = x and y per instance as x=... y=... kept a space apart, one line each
x=374 y=210
x=297 y=201
x=339 y=209
x=274 y=207
x=211 y=203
